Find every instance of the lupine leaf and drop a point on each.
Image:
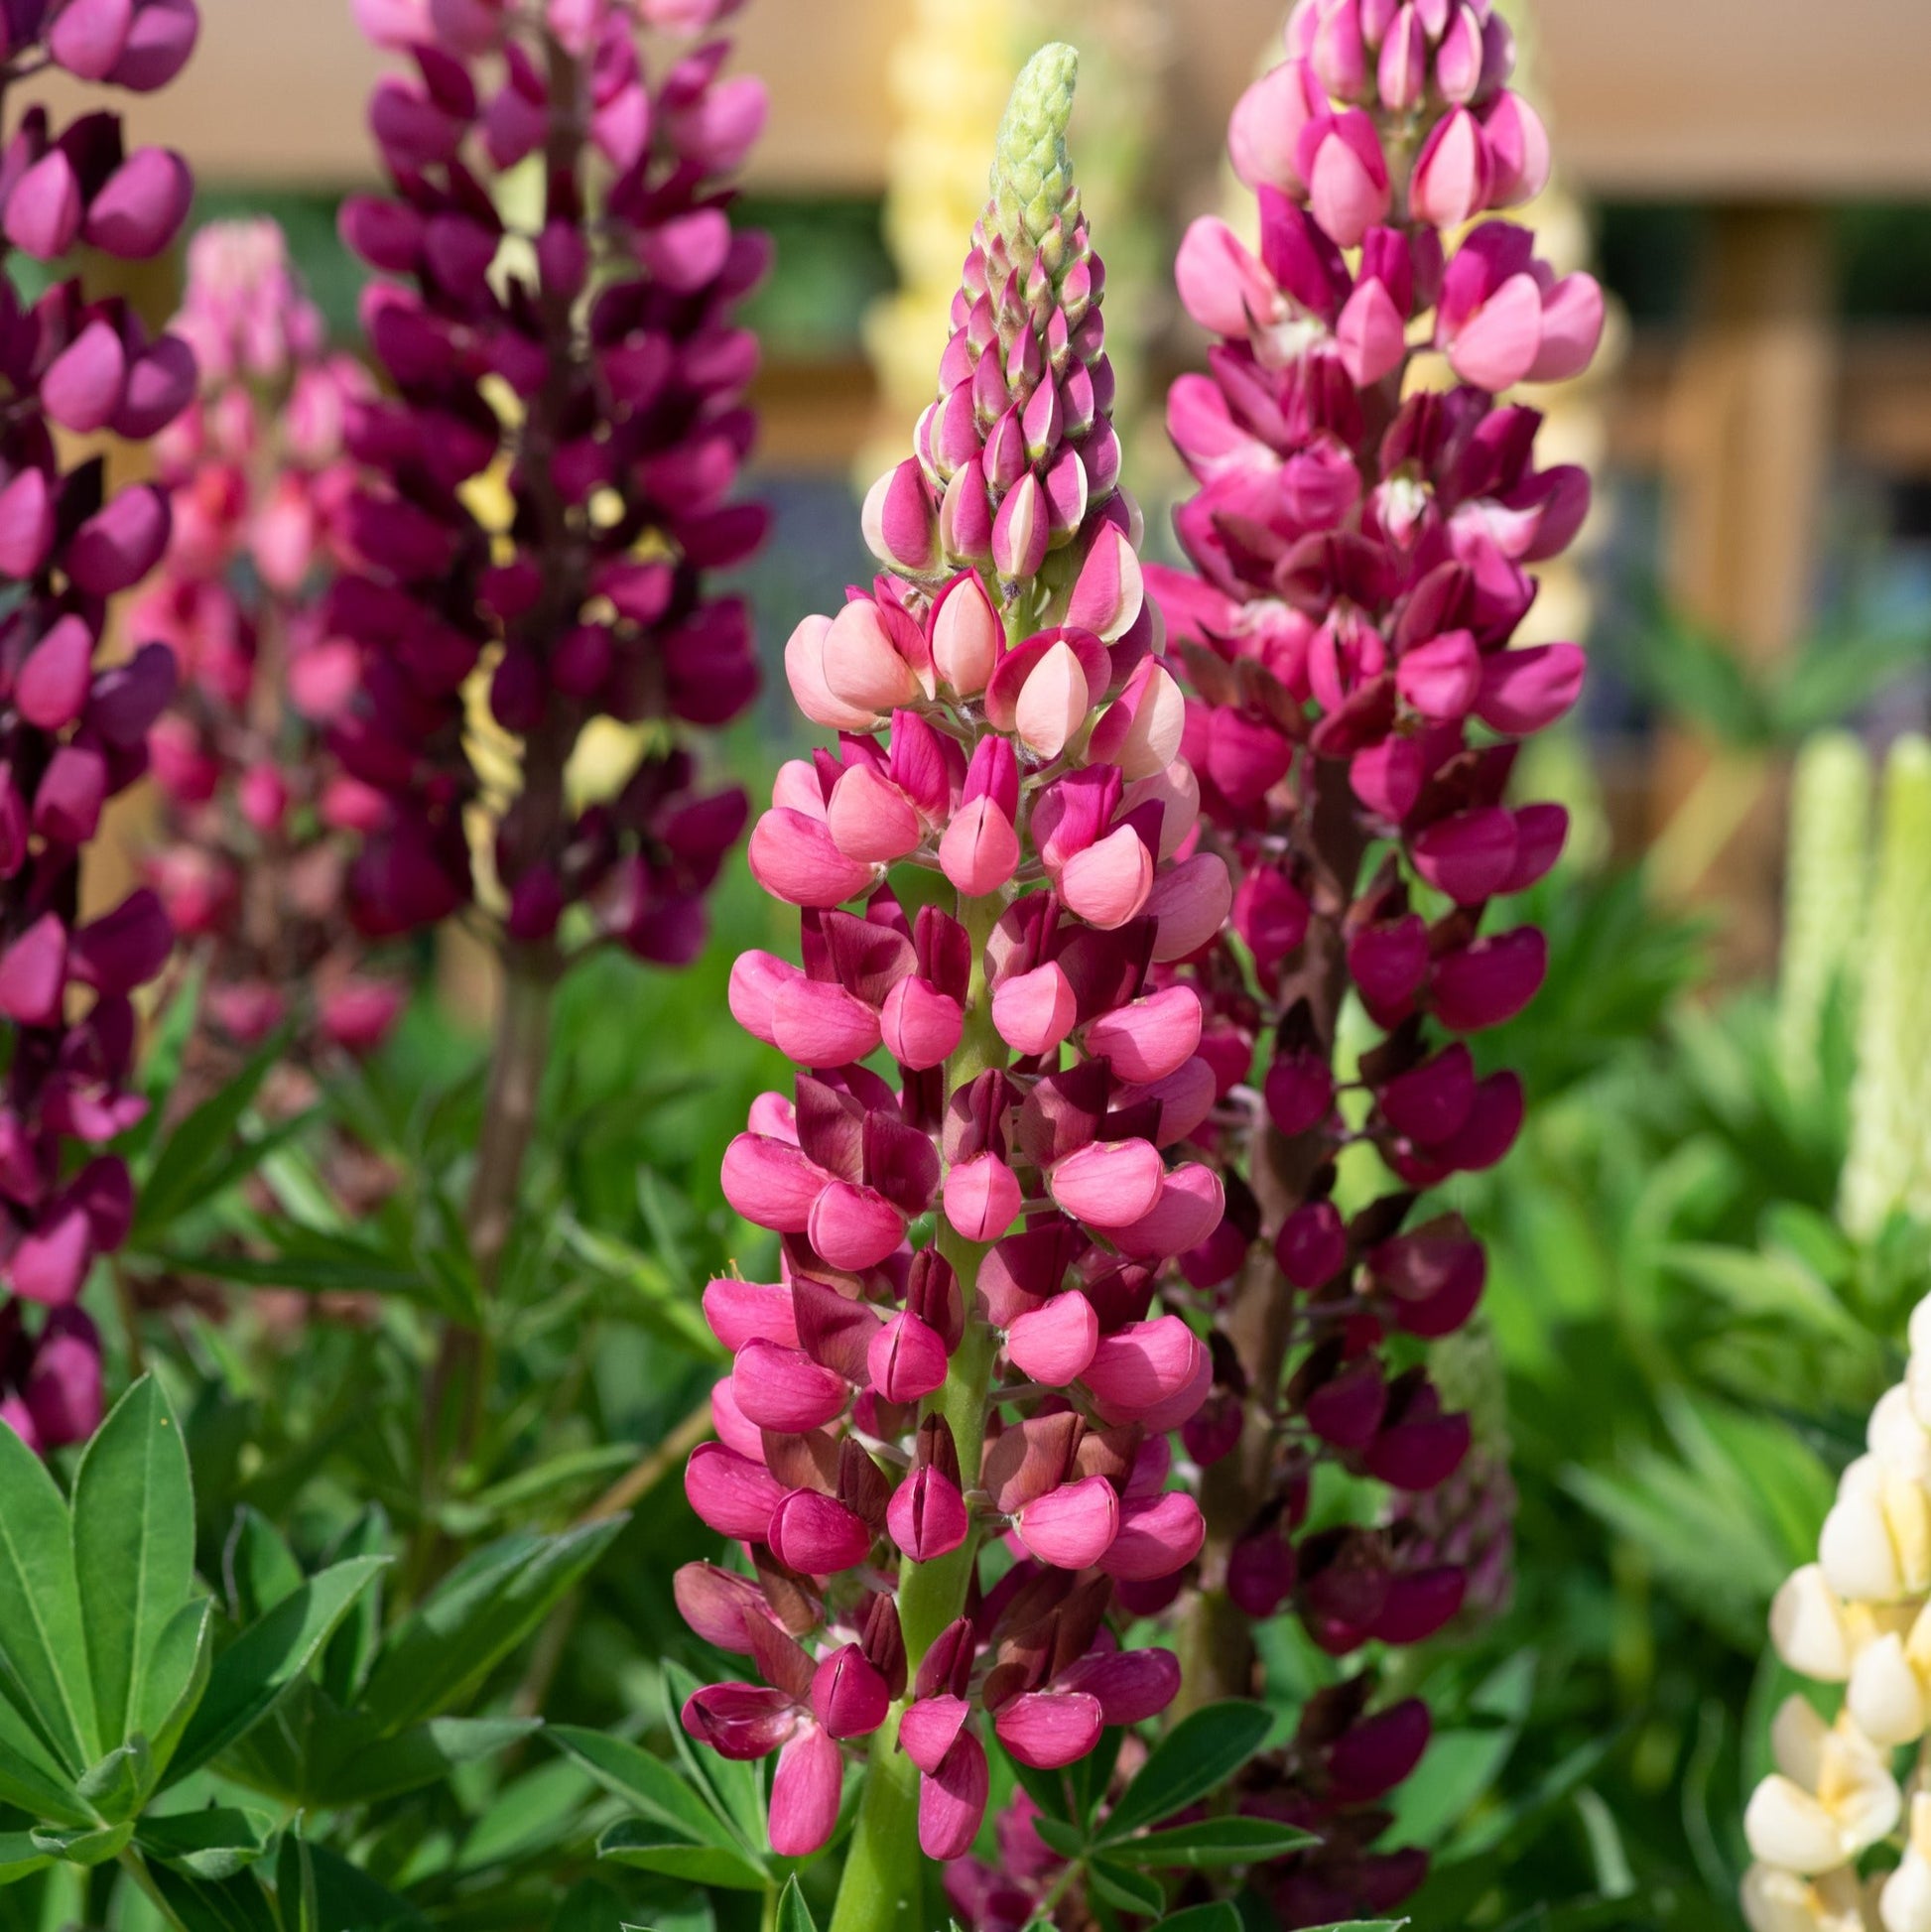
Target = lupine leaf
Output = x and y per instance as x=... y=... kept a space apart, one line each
x=1212 y=1842
x=1218 y=1917
x=233 y=1904
x=269 y=1659
x=794 y=1915
x=349 y=1764
x=20 y=1856
x=43 y=1641
x=1198 y=1754
x=647 y=1783
x=480 y=1611
x=1126 y=1890
x=176 y=1180
x=133 y=1547
x=655 y=1847
x=213 y=1844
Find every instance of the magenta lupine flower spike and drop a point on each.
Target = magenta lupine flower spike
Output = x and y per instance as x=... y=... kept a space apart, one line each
x=593 y=363
x=74 y=731
x=963 y=1347
x=259 y=826
x=1364 y=539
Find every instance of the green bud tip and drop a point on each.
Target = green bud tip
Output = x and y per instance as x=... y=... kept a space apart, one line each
x=1032 y=174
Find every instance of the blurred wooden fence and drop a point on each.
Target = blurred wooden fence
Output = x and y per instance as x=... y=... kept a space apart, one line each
x=1761 y=111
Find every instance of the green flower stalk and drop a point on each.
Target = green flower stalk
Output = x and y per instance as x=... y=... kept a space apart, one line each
x=1890 y=1163
x=1826 y=890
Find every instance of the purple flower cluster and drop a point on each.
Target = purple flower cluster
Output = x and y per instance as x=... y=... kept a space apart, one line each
x=590 y=362
x=255 y=867
x=73 y=730
x=1363 y=535
x=964 y=1350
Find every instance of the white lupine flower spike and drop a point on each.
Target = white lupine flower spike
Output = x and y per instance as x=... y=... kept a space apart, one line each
x=1859 y=1616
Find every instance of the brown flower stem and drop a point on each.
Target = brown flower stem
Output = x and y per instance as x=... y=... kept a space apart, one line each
x=651 y=1467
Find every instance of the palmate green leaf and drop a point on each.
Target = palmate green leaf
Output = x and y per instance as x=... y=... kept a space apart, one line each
x=480 y=1611
x=1123 y=1889
x=297 y=1903
x=1212 y=1843
x=84 y=1845
x=213 y=1844
x=177 y=1179
x=1463 y=1761
x=177 y=1677
x=257 y=1565
x=113 y=1789
x=324 y=1268
x=656 y=1848
x=21 y=1857
x=646 y=1784
x=794 y=1915
x=232 y=1905
x=1069 y=1840
x=659 y=1300
x=269 y=1659
x=43 y=1641
x=346 y=1660
x=349 y=1764
x=133 y=1547
x=581 y=1471
x=1198 y=1754
x=528 y=1818
x=28 y=1775
x=340 y=1896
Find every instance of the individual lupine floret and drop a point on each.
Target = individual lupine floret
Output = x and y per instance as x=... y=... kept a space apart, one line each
x=898 y=1400
x=591 y=362
x=73 y=729
x=255 y=866
x=1364 y=537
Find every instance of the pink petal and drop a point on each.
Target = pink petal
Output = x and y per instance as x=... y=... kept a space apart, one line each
x=951 y=1800
x=1047 y=1729
x=805 y=1793
x=1054 y=1343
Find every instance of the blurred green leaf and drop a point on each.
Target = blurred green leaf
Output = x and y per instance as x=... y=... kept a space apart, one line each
x=184 y=1172
x=212 y=1843
x=269 y=1659
x=476 y=1615
x=352 y=1764
x=645 y=1783
x=232 y=1905
x=656 y=1848
x=1212 y=1843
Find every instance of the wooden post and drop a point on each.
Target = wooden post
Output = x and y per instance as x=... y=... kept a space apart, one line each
x=1748 y=451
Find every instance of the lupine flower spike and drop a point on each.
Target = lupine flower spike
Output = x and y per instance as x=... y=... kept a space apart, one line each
x=593 y=358
x=74 y=731
x=1859 y=1616
x=254 y=867
x=963 y=1348
x=1362 y=542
